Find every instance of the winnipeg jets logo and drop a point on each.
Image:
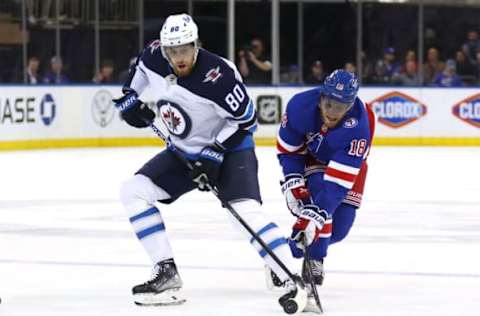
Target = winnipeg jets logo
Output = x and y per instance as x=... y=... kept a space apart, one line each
x=213 y=75
x=175 y=119
x=171 y=119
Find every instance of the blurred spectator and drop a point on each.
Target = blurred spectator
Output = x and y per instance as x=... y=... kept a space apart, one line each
x=477 y=66
x=465 y=69
x=472 y=45
x=392 y=67
x=379 y=75
x=33 y=75
x=433 y=66
x=124 y=74
x=448 y=77
x=350 y=67
x=55 y=74
x=253 y=65
x=292 y=75
x=409 y=77
x=105 y=74
x=410 y=55
x=316 y=75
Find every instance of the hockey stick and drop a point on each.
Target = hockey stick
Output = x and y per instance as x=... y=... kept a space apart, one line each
x=226 y=204
x=308 y=264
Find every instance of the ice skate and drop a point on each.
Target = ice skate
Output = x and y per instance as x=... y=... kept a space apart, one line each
x=295 y=299
x=313 y=275
x=318 y=273
x=162 y=289
x=272 y=280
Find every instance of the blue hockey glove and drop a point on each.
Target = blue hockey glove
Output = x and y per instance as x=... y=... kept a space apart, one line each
x=133 y=111
x=206 y=170
x=295 y=192
x=308 y=226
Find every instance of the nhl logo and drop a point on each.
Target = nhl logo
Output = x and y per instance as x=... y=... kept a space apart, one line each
x=103 y=109
x=269 y=109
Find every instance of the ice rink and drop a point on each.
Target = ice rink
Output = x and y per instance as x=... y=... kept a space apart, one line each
x=67 y=248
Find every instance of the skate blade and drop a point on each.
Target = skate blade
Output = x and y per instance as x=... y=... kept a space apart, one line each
x=312 y=307
x=166 y=298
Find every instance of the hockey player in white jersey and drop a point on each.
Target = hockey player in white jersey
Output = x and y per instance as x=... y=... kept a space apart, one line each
x=210 y=118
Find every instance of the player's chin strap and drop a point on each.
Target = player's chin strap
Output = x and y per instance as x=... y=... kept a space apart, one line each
x=226 y=204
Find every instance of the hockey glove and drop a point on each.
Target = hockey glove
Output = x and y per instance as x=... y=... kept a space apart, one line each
x=308 y=225
x=133 y=111
x=295 y=192
x=206 y=170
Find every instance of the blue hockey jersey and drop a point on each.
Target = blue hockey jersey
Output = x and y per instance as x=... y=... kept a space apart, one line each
x=304 y=143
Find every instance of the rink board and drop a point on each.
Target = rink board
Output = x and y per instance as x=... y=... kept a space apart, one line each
x=84 y=116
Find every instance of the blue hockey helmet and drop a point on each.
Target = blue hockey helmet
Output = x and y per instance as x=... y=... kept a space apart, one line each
x=341 y=86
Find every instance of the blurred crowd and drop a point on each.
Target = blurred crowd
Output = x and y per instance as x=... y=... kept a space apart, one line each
x=393 y=68
x=53 y=72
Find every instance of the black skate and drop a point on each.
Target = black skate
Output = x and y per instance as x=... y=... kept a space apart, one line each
x=295 y=299
x=313 y=275
x=317 y=272
x=162 y=289
x=272 y=280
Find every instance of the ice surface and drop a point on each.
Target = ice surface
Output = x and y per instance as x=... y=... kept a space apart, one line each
x=66 y=247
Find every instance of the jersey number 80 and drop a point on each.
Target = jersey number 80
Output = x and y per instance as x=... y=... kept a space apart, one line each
x=234 y=99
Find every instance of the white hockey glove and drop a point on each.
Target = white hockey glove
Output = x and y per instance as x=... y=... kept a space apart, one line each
x=308 y=225
x=295 y=192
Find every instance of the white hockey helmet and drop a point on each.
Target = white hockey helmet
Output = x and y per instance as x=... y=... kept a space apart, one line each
x=179 y=29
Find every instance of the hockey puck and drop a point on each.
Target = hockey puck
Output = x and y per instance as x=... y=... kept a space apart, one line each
x=290 y=307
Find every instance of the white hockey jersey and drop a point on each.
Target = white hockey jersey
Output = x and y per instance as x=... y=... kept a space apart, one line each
x=204 y=108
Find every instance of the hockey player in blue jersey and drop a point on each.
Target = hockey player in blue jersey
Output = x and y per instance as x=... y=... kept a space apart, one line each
x=323 y=143
x=210 y=118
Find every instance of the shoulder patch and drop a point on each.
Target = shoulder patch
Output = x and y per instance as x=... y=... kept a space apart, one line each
x=153 y=46
x=212 y=75
x=350 y=122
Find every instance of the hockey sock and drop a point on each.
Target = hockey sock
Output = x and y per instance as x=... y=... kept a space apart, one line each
x=138 y=195
x=270 y=234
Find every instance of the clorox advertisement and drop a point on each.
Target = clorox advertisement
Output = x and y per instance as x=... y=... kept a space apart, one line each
x=396 y=109
x=468 y=110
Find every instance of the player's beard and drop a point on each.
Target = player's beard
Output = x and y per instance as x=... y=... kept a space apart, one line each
x=183 y=70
